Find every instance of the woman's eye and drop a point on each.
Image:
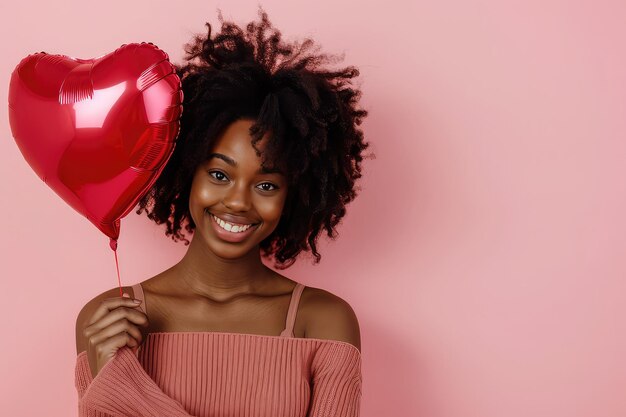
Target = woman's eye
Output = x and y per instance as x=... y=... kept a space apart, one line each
x=218 y=173
x=271 y=185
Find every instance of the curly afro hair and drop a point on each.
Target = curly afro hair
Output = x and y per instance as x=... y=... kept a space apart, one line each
x=310 y=113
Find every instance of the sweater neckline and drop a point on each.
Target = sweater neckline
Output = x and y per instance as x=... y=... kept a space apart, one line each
x=330 y=341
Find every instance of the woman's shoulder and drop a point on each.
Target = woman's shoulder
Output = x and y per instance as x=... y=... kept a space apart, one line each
x=329 y=316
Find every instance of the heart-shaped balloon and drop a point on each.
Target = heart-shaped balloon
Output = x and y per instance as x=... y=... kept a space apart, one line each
x=97 y=131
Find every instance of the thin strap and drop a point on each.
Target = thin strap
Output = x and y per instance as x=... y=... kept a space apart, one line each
x=293 y=310
x=139 y=295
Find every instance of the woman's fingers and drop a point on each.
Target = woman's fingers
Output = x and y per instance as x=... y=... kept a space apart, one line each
x=121 y=327
x=115 y=323
x=112 y=310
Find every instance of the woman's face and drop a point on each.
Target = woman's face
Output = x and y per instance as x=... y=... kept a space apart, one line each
x=231 y=186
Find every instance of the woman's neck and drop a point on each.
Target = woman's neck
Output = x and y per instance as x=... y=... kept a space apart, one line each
x=204 y=273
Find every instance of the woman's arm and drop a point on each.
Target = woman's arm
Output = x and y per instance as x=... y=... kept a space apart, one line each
x=122 y=388
x=336 y=367
x=336 y=390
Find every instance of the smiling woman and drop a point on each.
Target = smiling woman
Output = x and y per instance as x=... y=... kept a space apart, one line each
x=307 y=117
x=267 y=159
x=231 y=190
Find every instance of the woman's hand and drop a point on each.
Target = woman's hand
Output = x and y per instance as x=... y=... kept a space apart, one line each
x=113 y=325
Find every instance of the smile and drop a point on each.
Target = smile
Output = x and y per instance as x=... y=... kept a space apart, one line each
x=229 y=232
x=231 y=227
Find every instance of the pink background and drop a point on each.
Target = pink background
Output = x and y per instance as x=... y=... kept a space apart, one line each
x=486 y=254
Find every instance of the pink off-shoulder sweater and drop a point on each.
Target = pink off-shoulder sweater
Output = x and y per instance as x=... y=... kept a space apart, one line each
x=219 y=374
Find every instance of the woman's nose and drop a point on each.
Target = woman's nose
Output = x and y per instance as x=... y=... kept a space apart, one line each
x=237 y=198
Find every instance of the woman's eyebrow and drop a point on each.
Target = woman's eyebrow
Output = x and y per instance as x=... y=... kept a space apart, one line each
x=230 y=161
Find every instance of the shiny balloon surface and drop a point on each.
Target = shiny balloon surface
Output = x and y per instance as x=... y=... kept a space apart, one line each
x=97 y=131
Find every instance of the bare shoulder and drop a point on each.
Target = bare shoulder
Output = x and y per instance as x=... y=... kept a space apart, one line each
x=329 y=316
x=85 y=314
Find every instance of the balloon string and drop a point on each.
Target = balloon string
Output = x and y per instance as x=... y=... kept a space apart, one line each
x=113 y=245
x=117 y=266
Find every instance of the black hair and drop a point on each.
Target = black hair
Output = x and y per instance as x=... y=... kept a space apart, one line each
x=311 y=113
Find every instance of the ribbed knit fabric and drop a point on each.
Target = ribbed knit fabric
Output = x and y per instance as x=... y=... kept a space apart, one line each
x=220 y=374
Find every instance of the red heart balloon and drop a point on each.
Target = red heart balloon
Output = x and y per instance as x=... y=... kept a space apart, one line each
x=97 y=131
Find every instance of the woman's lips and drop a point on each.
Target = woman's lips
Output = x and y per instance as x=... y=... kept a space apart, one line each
x=230 y=236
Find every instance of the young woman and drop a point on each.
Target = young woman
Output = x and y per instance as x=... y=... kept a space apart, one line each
x=266 y=161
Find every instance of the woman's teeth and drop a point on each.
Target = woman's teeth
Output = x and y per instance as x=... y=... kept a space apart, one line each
x=231 y=227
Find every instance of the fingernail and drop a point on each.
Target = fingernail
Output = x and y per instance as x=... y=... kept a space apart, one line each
x=137 y=301
x=125 y=295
